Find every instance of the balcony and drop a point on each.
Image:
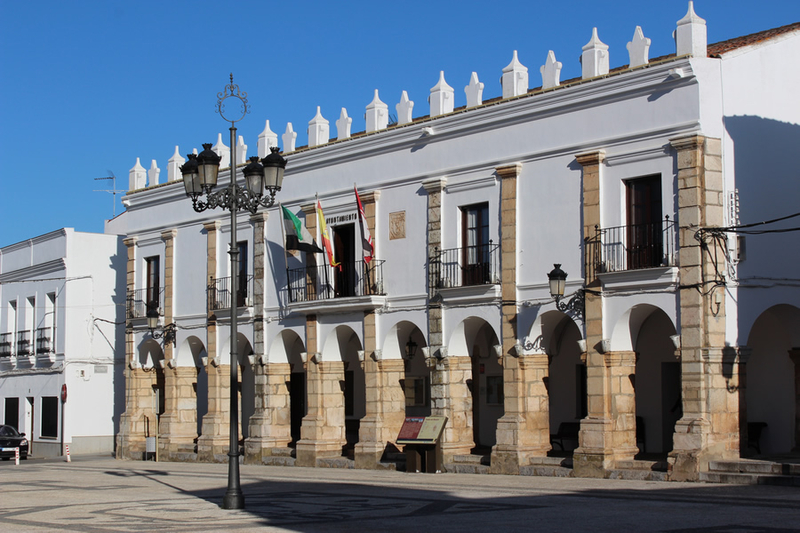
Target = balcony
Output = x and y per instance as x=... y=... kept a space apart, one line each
x=140 y=300
x=627 y=248
x=24 y=342
x=220 y=293
x=465 y=267
x=44 y=341
x=6 y=344
x=321 y=282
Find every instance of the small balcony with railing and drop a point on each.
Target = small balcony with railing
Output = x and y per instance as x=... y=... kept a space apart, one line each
x=6 y=344
x=44 y=341
x=141 y=301
x=472 y=269
x=221 y=293
x=24 y=343
x=639 y=252
x=350 y=284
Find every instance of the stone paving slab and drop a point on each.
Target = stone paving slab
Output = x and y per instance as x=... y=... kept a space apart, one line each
x=101 y=494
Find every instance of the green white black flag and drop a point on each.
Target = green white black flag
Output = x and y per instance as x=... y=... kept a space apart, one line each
x=297 y=235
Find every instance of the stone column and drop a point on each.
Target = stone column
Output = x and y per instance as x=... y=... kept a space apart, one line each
x=257 y=426
x=520 y=433
x=523 y=431
x=700 y=434
x=385 y=411
x=451 y=397
x=621 y=373
x=595 y=453
x=322 y=433
x=274 y=428
x=214 y=440
x=179 y=429
x=130 y=440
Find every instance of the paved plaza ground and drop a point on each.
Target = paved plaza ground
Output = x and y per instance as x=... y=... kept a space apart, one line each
x=98 y=494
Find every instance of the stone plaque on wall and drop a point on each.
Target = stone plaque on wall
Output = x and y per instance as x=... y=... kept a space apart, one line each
x=397 y=225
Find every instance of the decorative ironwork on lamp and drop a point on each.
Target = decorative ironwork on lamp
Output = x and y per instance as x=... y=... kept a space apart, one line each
x=558 y=281
x=262 y=181
x=167 y=332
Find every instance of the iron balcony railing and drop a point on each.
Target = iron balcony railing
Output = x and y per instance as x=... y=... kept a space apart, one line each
x=323 y=282
x=6 y=344
x=44 y=341
x=142 y=300
x=631 y=247
x=461 y=267
x=24 y=342
x=219 y=293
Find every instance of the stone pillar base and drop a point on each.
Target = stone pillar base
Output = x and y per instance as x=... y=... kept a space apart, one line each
x=309 y=451
x=257 y=448
x=509 y=461
x=368 y=454
x=597 y=453
x=213 y=449
x=449 y=450
x=687 y=459
x=178 y=449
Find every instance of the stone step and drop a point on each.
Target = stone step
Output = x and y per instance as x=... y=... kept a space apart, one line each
x=636 y=464
x=637 y=475
x=282 y=452
x=466 y=468
x=552 y=461
x=471 y=459
x=750 y=479
x=750 y=466
x=278 y=460
x=335 y=462
x=545 y=470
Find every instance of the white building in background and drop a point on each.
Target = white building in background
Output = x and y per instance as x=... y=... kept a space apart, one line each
x=637 y=180
x=62 y=297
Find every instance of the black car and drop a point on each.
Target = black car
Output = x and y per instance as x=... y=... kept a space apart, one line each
x=10 y=439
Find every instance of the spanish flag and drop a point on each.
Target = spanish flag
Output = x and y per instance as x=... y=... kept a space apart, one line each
x=323 y=230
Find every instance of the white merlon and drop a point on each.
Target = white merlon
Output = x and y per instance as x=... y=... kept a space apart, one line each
x=266 y=140
x=319 y=129
x=638 y=49
x=241 y=151
x=137 y=177
x=223 y=152
x=174 y=166
x=404 y=109
x=377 y=115
x=474 y=91
x=153 y=173
x=594 y=59
x=691 y=35
x=289 y=138
x=343 y=125
x=442 y=97
x=515 y=78
x=551 y=71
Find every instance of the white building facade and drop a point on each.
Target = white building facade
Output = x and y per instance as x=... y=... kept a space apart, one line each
x=61 y=349
x=637 y=181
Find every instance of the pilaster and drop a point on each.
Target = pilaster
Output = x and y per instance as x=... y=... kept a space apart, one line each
x=178 y=424
x=451 y=397
x=130 y=444
x=214 y=443
x=270 y=425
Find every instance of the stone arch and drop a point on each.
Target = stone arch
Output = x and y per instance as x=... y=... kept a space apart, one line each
x=773 y=381
x=151 y=355
x=192 y=352
x=151 y=359
x=405 y=340
x=648 y=330
x=476 y=338
x=343 y=344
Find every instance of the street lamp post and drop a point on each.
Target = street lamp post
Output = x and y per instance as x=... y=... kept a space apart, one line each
x=200 y=174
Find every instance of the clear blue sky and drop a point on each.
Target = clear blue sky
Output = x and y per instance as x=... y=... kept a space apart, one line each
x=89 y=86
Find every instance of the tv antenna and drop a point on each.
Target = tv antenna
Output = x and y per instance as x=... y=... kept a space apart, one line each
x=114 y=192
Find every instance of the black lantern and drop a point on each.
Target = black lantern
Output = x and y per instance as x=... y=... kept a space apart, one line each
x=208 y=167
x=558 y=279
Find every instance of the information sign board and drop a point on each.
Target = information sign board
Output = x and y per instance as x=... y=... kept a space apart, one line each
x=421 y=429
